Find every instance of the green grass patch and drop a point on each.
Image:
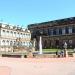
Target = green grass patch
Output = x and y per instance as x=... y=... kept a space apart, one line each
x=55 y=50
x=50 y=50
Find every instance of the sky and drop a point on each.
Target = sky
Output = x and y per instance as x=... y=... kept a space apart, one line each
x=25 y=12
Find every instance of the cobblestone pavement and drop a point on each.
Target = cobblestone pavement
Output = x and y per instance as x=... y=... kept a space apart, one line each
x=37 y=66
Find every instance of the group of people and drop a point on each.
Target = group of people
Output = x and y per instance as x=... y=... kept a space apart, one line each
x=60 y=53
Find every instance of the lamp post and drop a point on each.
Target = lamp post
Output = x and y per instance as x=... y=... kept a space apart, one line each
x=34 y=44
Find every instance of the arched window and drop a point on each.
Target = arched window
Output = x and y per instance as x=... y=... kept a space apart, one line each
x=11 y=43
x=11 y=33
x=3 y=30
x=18 y=35
x=7 y=42
x=7 y=33
x=21 y=35
x=14 y=34
x=3 y=42
x=14 y=42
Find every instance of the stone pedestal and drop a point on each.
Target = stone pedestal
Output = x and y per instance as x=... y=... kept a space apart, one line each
x=73 y=54
x=65 y=53
x=30 y=55
x=33 y=49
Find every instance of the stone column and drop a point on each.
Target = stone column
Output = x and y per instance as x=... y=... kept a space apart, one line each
x=34 y=43
x=40 y=46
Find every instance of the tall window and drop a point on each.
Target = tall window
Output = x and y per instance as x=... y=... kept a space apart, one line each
x=73 y=29
x=57 y=31
x=7 y=33
x=11 y=43
x=14 y=34
x=20 y=43
x=45 y=31
x=7 y=42
x=28 y=35
x=18 y=35
x=11 y=33
x=3 y=42
x=21 y=35
x=14 y=43
x=54 y=31
x=3 y=32
x=60 y=31
x=70 y=30
x=66 y=30
x=63 y=31
x=51 y=31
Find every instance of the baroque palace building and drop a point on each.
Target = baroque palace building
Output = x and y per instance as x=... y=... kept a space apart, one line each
x=54 y=33
x=13 y=36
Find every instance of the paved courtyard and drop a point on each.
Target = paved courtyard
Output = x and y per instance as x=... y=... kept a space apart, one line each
x=37 y=66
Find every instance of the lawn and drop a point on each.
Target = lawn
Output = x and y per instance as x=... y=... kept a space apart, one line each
x=50 y=50
x=54 y=50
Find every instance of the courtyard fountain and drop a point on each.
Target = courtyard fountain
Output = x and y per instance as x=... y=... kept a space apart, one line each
x=40 y=46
